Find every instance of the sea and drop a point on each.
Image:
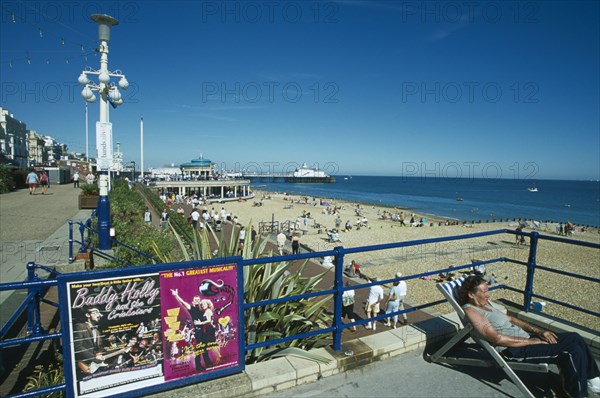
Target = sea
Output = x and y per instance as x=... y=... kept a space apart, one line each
x=463 y=199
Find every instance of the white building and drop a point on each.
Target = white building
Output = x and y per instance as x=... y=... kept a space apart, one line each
x=36 y=149
x=13 y=139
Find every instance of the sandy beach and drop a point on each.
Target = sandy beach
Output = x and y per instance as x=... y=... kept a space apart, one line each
x=423 y=258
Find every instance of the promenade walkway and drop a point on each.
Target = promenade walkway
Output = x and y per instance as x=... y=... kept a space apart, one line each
x=34 y=228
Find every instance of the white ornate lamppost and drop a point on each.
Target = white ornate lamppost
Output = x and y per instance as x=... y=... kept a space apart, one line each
x=108 y=92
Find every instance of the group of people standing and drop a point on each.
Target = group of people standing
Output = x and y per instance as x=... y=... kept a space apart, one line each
x=282 y=239
x=393 y=303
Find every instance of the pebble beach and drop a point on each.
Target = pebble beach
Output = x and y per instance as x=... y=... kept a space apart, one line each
x=414 y=260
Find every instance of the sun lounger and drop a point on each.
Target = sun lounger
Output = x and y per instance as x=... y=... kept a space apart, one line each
x=450 y=292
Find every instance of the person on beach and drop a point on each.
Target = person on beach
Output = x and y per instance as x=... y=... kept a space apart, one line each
x=281 y=238
x=355 y=269
x=520 y=239
x=348 y=226
x=348 y=306
x=372 y=308
x=253 y=236
x=395 y=301
x=242 y=238
x=333 y=236
x=295 y=244
x=33 y=181
x=520 y=341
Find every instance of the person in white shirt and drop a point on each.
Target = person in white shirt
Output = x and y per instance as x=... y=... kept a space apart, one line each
x=195 y=217
x=348 y=306
x=281 y=238
x=205 y=217
x=395 y=300
x=242 y=240
x=372 y=309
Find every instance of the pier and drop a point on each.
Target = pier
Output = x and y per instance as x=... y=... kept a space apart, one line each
x=286 y=177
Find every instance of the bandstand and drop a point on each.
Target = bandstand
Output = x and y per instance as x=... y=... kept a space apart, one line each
x=198 y=178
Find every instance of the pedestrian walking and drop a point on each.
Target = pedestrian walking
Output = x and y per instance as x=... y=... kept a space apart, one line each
x=33 y=181
x=295 y=244
x=253 y=236
x=44 y=182
x=164 y=219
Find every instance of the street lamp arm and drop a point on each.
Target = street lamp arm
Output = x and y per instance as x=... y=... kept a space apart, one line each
x=91 y=71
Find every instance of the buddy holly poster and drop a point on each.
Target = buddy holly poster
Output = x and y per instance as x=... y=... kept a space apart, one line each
x=199 y=315
x=116 y=334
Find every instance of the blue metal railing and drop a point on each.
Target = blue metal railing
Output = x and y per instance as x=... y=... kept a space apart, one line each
x=85 y=244
x=36 y=288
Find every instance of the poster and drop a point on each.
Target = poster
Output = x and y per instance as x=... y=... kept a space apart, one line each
x=199 y=320
x=130 y=333
x=116 y=334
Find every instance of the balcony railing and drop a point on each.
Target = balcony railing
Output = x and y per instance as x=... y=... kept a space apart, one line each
x=36 y=289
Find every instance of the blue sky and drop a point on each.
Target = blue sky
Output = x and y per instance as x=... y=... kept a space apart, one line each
x=489 y=89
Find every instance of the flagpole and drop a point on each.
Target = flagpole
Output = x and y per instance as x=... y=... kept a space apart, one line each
x=142 y=148
x=87 y=141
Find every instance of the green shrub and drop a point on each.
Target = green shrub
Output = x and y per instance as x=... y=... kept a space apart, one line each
x=11 y=178
x=46 y=376
x=90 y=189
x=127 y=218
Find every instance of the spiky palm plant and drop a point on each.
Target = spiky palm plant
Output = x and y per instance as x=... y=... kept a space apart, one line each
x=46 y=376
x=265 y=282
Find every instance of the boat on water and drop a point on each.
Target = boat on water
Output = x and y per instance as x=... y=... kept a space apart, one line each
x=305 y=174
x=532 y=189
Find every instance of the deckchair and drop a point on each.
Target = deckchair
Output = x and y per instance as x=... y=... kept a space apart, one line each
x=450 y=292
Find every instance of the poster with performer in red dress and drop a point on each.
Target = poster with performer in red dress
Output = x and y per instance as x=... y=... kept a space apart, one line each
x=199 y=315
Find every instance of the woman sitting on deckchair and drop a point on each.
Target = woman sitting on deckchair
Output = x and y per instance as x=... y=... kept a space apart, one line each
x=519 y=341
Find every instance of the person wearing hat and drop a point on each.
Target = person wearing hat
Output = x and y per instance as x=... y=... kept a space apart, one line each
x=372 y=307
x=395 y=300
